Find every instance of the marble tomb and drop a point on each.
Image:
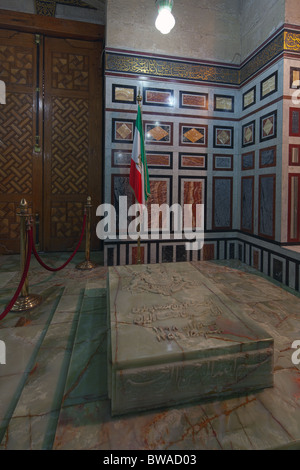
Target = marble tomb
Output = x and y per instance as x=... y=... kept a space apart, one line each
x=175 y=338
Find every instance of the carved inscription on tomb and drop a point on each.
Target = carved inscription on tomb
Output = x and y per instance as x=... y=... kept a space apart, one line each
x=178 y=321
x=158 y=282
x=178 y=381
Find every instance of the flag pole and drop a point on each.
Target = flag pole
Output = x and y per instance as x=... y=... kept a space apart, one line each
x=139 y=261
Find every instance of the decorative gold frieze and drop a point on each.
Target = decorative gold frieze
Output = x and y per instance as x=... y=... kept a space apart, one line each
x=123 y=63
x=291 y=41
x=169 y=68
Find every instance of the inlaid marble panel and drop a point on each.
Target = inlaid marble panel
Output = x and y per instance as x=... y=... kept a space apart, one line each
x=160 y=133
x=223 y=137
x=247 y=201
x=294 y=155
x=192 y=100
x=267 y=157
x=158 y=97
x=122 y=130
x=223 y=162
x=208 y=251
x=222 y=203
x=295 y=77
x=269 y=85
x=192 y=191
x=193 y=135
x=248 y=134
x=192 y=161
x=120 y=187
x=121 y=158
x=224 y=103
x=248 y=161
x=249 y=98
x=266 y=205
x=159 y=159
x=123 y=94
x=268 y=126
x=160 y=193
x=294 y=122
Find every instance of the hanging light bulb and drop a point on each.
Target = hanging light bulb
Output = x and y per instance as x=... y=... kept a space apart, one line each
x=165 y=21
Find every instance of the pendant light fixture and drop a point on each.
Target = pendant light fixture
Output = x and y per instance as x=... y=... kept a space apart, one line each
x=165 y=21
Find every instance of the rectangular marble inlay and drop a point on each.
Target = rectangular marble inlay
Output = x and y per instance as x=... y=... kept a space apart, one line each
x=174 y=337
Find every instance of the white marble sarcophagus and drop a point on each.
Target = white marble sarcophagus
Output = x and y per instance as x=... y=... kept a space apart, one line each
x=175 y=338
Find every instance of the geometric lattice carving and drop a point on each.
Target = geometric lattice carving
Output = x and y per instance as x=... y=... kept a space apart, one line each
x=70 y=71
x=70 y=144
x=16 y=144
x=66 y=219
x=16 y=65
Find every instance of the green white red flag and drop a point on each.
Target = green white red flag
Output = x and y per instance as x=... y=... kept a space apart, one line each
x=139 y=177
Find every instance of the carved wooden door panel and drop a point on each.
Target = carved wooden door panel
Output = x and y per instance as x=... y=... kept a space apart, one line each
x=20 y=164
x=72 y=139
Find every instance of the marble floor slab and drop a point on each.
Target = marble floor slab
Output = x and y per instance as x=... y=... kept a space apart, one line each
x=53 y=388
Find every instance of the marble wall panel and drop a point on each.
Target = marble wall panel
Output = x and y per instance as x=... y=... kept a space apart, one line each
x=158 y=97
x=268 y=126
x=158 y=133
x=208 y=251
x=223 y=137
x=294 y=122
x=223 y=162
x=248 y=134
x=192 y=161
x=267 y=157
x=247 y=203
x=267 y=205
x=294 y=154
x=269 y=85
x=160 y=160
x=222 y=203
x=123 y=93
x=248 y=161
x=192 y=191
x=193 y=135
x=224 y=103
x=193 y=100
x=122 y=130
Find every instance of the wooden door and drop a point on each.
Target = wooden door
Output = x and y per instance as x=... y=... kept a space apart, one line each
x=20 y=161
x=50 y=137
x=72 y=139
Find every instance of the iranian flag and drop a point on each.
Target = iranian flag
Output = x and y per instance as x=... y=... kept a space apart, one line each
x=139 y=178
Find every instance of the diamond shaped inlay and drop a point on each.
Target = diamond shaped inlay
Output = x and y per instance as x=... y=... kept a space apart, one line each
x=268 y=126
x=248 y=134
x=223 y=137
x=158 y=133
x=124 y=131
x=193 y=135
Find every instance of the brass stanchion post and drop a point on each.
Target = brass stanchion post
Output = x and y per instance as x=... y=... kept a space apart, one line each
x=139 y=261
x=25 y=301
x=87 y=264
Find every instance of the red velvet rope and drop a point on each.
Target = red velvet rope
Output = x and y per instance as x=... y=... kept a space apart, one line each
x=13 y=300
x=71 y=257
x=31 y=248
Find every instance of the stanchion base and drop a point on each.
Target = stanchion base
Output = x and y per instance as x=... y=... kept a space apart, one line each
x=87 y=264
x=26 y=303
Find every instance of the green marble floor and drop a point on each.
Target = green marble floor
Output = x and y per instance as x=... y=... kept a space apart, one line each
x=53 y=387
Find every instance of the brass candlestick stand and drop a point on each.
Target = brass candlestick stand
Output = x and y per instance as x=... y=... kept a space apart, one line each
x=25 y=301
x=87 y=264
